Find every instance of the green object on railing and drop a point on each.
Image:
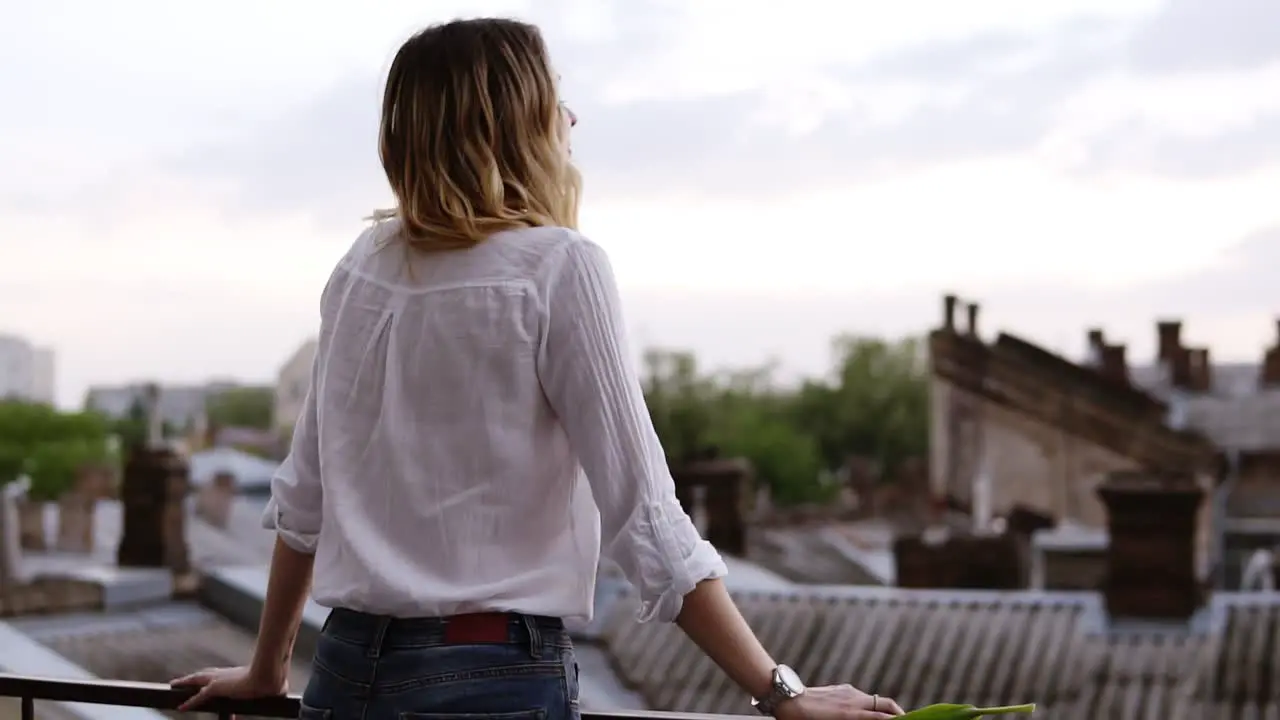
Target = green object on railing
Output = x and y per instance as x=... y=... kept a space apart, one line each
x=951 y=711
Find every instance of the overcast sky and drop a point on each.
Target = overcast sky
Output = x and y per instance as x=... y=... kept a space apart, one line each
x=177 y=179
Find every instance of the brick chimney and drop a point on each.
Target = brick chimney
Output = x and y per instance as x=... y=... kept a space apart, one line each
x=1199 y=370
x=1096 y=340
x=949 y=312
x=972 y=310
x=1151 y=553
x=1168 y=339
x=1112 y=363
x=1269 y=377
x=1174 y=356
x=726 y=487
x=152 y=498
x=970 y=562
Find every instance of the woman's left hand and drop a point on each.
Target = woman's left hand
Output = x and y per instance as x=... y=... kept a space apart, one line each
x=240 y=683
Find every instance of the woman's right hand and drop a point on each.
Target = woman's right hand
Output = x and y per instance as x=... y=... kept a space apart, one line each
x=837 y=702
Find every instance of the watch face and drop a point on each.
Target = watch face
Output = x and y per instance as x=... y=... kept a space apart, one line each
x=789 y=682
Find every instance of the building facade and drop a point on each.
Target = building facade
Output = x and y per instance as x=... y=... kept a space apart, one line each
x=179 y=406
x=1014 y=426
x=26 y=371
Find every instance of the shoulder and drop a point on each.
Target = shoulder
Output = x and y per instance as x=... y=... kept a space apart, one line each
x=551 y=242
x=370 y=240
x=353 y=262
x=569 y=252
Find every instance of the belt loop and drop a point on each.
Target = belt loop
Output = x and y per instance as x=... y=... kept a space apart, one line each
x=379 y=637
x=327 y=619
x=535 y=636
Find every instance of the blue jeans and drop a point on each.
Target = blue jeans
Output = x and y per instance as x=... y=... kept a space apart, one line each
x=369 y=667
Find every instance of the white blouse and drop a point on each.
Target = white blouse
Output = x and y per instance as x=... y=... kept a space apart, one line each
x=456 y=399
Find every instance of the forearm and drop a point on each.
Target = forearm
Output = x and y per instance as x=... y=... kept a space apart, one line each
x=710 y=618
x=287 y=589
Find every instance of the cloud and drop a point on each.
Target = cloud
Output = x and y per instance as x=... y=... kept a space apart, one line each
x=991 y=95
x=1189 y=36
x=1242 y=280
x=985 y=97
x=1141 y=146
x=1227 y=304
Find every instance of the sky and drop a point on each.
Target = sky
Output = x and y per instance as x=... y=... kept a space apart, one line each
x=177 y=180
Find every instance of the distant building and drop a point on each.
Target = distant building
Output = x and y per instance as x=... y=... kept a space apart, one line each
x=26 y=371
x=1237 y=405
x=292 y=384
x=1040 y=431
x=1014 y=426
x=179 y=405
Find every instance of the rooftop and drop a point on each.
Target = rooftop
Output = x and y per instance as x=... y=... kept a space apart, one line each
x=983 y=647
x=149 y=644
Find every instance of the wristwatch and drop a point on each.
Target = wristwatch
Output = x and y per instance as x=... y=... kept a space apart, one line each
x=786 y=685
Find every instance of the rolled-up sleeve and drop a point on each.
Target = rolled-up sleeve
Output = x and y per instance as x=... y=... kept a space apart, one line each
x=294 y=510
x=590 y=379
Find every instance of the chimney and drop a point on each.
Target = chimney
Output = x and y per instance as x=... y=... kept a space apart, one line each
x=725 y=486
x=1096 y=338
x=1168 y=339
x=1112 y=363
x=949 y=312
x=1151 y=553
x=1094 y=342
x=1200 y=371
x=1270 y=376
x=1180 y=369
x=972 y=309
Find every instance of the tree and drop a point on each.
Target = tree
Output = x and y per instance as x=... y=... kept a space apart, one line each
x=735 y=413
x=680 y=403
x=250 y=407
x=49 y=446
x=874 y=403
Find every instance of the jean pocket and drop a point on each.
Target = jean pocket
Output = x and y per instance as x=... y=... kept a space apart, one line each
x=306 y=712
x=536 y=714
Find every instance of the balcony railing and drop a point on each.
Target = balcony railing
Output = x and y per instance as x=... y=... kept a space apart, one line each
x=154 y=696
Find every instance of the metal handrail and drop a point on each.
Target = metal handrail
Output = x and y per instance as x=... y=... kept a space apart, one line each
x=154 y=696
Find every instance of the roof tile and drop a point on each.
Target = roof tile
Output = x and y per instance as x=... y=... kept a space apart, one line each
x=987 y=648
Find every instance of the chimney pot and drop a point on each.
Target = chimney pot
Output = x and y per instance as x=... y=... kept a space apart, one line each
x=972 y=309
x=1094 y=343
x=1169 y=339
x=949 y=312
x=1151 y=553
x=1270 y=376
x=1181 y=375
x=1112 y=363
x=1200 y=371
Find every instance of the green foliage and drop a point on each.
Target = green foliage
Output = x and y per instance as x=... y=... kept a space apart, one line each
x=951 y=711
x=54 y=465
x=132 y=428
x=875 y=404
x=250 y=407
x=48 y=445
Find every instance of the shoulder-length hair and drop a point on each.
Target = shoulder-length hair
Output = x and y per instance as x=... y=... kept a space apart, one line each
x=472 y=136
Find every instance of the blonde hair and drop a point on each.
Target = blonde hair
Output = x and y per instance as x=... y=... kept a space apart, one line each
x=472 y=139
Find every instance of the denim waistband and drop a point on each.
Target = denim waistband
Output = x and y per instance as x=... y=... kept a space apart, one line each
x=387 y=632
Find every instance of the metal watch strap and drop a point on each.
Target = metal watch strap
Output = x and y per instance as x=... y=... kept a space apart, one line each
x=786 y=685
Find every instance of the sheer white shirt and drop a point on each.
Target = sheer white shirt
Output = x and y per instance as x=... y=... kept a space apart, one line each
x=437 y=466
